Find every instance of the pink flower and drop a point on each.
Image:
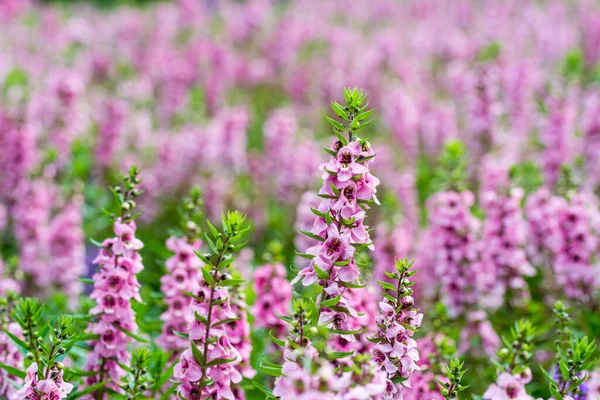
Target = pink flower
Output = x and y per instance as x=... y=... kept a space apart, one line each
x=507 y=387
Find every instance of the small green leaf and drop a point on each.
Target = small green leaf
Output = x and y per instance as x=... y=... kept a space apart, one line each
x=219 y=361
x=208 y=278
x=13 y=371
x=331 y=302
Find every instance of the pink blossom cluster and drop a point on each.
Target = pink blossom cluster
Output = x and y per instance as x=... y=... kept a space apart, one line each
x=66 y=252
x=111 y=128
x=306 y=376
x=479 y=326
x=350 y=178
x=274 y=297
x=364 y=301
x=396 y=351
x=49 y=232
x=574 y=264
x=18 y=158
x=115 y=286
x=33 y=213
x=591 y=138
x=565 y=233
x=557 y=136
x=182 y=273
x=392 y=244
x=508 y=387
x=543 y=231
x=218 y=343
x=503 y=239
x=52 y=387
x=288 y=159
x=450 y=241
x=238 y=332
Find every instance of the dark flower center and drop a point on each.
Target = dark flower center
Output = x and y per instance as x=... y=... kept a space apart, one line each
x=114 y=281
x=109 y=301
x=345 y=157
x=378 y=356
x=349 y=192
x=108 y=336
x=334 y=245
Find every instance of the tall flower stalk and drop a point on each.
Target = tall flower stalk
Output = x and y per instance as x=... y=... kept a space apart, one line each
x=115 y=285
x=210 y=366
x=348 y=190
x=183 y=270
x=395 y=350
x=313 y=365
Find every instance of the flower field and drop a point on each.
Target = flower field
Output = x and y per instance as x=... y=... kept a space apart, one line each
x=304 y=199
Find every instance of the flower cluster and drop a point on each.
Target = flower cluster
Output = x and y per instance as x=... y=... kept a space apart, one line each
x=513 y=362
x=274 y=299
x=451 y=237
x=576 y=270
x=395 y=350
x=52 y=387
x=544 y=237
x=292 y=170
x=309 y=373
x=43 y=378
x=183 y=270
x=66 y=248
x=348 y=189
x=503 y=239
x=211 y=364
x=115 y=286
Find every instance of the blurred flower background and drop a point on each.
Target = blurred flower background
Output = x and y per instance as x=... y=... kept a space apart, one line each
x=486 y=129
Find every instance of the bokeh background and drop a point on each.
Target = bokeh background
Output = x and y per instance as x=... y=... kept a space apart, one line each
x=231 y=96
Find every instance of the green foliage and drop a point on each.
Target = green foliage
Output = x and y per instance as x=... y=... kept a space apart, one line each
x=451 y=173
x=453 y=386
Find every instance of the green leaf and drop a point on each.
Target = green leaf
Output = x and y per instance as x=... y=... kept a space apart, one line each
x=320 y=273
x=312 y=235
x=335 y=190
x=219 y=361
x=88 y=390
x=275 y=340
x=182 y=335
x=213 y=230
x=87 y=281
x=387 y=285
x=364 y=115
x=198 y=356
x=341 y=138
x=13 y=371
x=262 y=388
x=344 y=332
x=351 y=285
x=226 y=321
x=554 y=392
x=96 y=243
x=133 y=335
x=208 y=278
x=339 y=110
x=336 y=124
x=305 y=255
x=331 y=302
x=23 y=346
x=231 y=282
x=201 y=256
x=336 y=355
